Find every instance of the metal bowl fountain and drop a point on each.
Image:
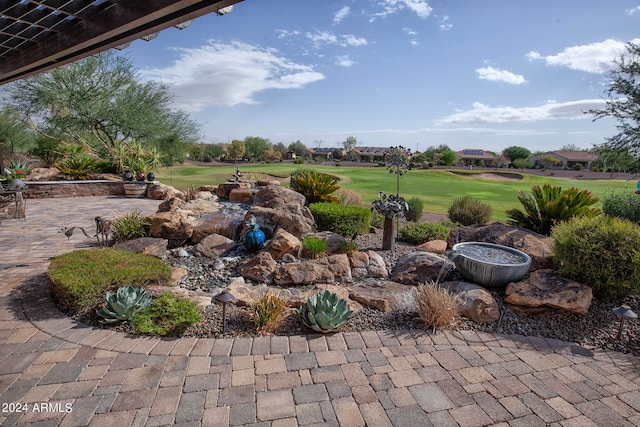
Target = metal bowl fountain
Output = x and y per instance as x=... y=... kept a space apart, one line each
x=488 y=264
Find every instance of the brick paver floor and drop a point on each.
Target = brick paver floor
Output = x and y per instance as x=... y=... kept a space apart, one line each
x=55 y=372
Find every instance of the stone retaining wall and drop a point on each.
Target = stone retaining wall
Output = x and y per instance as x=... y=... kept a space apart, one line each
x=60 y=189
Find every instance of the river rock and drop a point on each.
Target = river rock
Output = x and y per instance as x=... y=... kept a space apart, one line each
x=478 y=303
x=537 y=246
x=214 y=246
x=258 y=268
x=283 y=243
x=332 y=269
x=545 y=289
x=145 y=245
x=417 y=268
x=178 y=274
x=383 y=295
x=160 y=191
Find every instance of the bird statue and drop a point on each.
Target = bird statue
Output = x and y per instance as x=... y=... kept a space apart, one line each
x=68 y=231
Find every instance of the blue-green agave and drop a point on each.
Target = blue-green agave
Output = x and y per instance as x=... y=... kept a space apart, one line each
x=325 y=312
x=124 y=304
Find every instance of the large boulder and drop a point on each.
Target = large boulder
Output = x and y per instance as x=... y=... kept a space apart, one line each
x=434 y=246
x=478 y=303
x=219 y=223
x=377 y=267
x=199 y=206
x=417 y=268
x=544 y=289
x=383 y=295
x=160 y=191
x=145 y=245
x=171 y=205
x=332 y=269
x=259 y=268
x=214 y=246
x=283 y=243
x=223 y=190
x=173 y=226
x=537 y=246
x=275 y=196
x=367 y=264
x=293 y=218
x=45 y=174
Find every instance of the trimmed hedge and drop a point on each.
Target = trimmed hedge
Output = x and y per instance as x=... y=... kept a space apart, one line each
x=346 y=220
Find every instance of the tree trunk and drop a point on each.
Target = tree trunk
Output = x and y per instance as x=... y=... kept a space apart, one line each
x=388 y=234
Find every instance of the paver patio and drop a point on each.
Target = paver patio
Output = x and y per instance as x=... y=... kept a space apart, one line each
x=55 y=372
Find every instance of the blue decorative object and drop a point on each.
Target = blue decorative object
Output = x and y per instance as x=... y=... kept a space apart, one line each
x=254 y=238
x=151 y=177
x=128 y=176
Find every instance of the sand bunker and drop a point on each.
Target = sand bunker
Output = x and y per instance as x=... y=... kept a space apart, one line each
x=497 y=176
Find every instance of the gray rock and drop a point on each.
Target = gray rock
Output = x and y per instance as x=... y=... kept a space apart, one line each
x=417 y=268
x=214 y=246
x=479 y=305
x=332 y=269
x=145 y=245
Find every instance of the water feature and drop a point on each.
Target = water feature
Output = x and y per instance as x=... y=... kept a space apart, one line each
x=489 y=264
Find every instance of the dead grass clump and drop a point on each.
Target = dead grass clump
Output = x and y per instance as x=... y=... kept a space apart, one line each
x=268 y=311
x=438 y=308
x=348 y=197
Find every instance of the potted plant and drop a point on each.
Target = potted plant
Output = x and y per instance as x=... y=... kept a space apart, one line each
x=15 y=172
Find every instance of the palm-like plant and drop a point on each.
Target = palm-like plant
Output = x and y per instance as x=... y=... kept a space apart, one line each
x=549 y=205
x=315 y=186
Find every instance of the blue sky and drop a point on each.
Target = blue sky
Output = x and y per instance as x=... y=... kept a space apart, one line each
x=469 y=74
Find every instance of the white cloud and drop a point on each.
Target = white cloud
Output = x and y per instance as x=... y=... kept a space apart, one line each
x=481 y=113
x=592 y=58
x=496 y=75
x=414 y=42
x=409 y=31
x=633 y=11
x=389 y=7
x=320 y=38
x=344 y=61
x=227 y=74
x=283 y=34
x=341 y=14
x=444 y=23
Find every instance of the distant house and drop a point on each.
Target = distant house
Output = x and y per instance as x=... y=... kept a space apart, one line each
x=476 y=157
x=370 y=154
x=568 y=159
x=323 y=153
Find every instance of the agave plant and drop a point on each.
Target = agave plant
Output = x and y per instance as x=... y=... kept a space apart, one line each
x=124 y=304
x=325 y=312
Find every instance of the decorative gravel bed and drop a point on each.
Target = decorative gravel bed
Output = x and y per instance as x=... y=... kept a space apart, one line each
x=597 y=329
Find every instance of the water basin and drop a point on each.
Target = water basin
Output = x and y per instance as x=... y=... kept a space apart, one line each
x=488 y=264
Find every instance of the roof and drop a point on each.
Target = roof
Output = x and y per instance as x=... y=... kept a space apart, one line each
x=39 y=35
x=474 y=153
x=325 y=150
x=371 y=150
x=576 y=156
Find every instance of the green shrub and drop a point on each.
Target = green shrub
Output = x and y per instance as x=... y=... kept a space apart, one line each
x=422 y=232
x=377 y=219
x=79 y=166
x=127 y=226
x=315 y=186
x=548 y=206
x=602 y=252
x=414 y=213
x=578 y=167
x=345 y=220
x=347 y=247
x=298 y=160
x=314 y=245
x=469 y=211
x=80 y=279
x=167 y=315
x=622 y=204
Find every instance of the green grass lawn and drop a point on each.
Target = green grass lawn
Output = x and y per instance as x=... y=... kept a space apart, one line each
x=437 y=188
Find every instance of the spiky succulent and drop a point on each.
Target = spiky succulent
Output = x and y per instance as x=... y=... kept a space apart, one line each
x=124 y=304
x=325 y=312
